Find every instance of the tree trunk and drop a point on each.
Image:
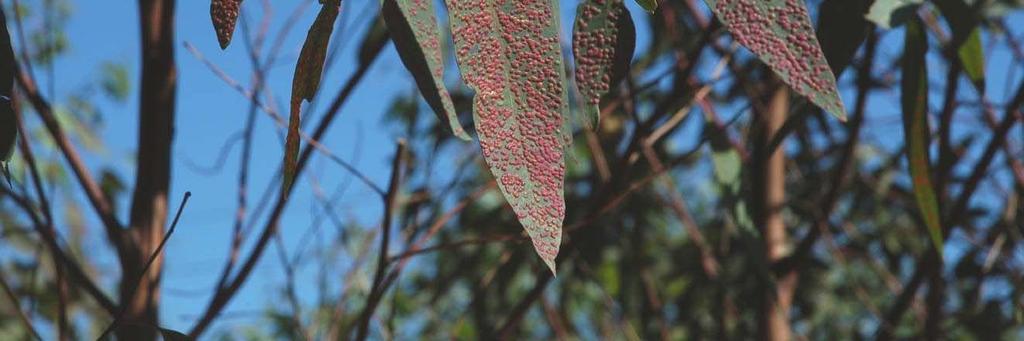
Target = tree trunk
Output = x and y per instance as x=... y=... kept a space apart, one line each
x=770 y=196
x=140 y=294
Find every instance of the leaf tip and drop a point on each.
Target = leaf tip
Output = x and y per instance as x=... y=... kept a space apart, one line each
x=551 y=266
x=224 y=14
x=842 y=116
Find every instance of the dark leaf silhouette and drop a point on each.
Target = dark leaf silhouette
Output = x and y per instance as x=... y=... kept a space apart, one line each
x=841 y=31
x=914 y=99
x=603 y=39
x=306 y=81
x=780 y=34
x=414 y=30
x=373 y=41
x=509 y=53
x=8 y=122
x=224 y=14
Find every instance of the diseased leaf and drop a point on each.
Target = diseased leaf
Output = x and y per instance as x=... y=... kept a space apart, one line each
x=509 y=54
x=306 y=81
x=414 y=30
x=888 y=14
x=972 y=57
x=841 y=31
x=779 y=32
x=603 y=39
x=224 y=14
x=649 y=5
x=914 y=100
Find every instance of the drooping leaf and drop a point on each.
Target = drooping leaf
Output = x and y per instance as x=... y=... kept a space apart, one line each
x=509 y=54
x=224 y=14
x=842 y=29
x=603 y=39
x=892 y=13
x=306 y=81
x=972 y=57
x=414 y=30
x=8 y=121
x=914 y=100
x=649 y=5
x=779 y=32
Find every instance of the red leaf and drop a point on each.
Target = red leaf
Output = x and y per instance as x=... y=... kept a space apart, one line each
x=413 y=28
x=779 y=32
x=224 y=14
x=509 y=53
x=306 y=81
x=603 y=39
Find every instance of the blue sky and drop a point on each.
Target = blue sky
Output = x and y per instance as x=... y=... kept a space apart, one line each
x=209 y=112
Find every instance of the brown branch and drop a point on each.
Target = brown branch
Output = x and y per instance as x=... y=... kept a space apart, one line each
x=678 y=205
x=100 y=203
x=148 y=214
x=843 y=165
x=44 y=203
x=377 y=288
x=50 y=240
x=145 y=269
x=223 y=295
x=15 y=303
x=955 y=216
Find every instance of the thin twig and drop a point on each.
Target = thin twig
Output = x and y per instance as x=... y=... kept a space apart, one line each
x=152 y=259
x=390 y=201
x=17 y=307
x=223 y=295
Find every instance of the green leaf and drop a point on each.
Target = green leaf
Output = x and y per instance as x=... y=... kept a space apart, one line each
x=914 y=100
x=779 y=32
x=414 y=30
x=603 y=39
x=306 y=81
x=972 y=57
x=964 y=22
x=841 y=31
x=509 y=54
x=649 y=5
x=116 y=82
x=725 y=159
x=224 y=14
x=892 y=13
